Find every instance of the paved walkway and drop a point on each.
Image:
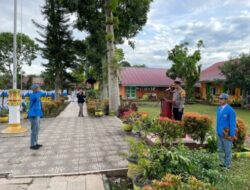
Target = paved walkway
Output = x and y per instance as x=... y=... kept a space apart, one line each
x=71 y=145
x=82 y=182
x=72 y=110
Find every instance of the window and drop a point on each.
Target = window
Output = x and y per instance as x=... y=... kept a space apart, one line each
x=213 y=90
x=130 y=91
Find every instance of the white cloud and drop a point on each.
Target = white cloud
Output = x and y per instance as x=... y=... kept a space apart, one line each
x=224 y=26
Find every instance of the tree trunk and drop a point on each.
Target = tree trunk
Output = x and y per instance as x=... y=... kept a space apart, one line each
x=104 y=80
x=112 y=69
x=57 y=85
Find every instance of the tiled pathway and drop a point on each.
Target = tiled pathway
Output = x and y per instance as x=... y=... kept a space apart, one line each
x=82 y=182
x=71 y=145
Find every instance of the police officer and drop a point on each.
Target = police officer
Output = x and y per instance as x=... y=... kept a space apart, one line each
x=179 y=95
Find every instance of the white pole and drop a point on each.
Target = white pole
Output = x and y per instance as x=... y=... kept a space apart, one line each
x=14 y=44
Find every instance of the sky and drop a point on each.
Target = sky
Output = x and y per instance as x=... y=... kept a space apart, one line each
x=223 y=25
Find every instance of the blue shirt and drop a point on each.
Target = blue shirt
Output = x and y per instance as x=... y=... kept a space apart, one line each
x=35 y=104
x=226 y=118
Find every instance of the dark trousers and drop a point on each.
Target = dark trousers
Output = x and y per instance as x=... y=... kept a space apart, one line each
x=177 y=114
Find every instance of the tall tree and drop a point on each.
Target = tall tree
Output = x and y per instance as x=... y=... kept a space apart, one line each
x=128 y=18
x=237 y=73
x=58 y=43
x=185 y=65
x=125 y=64
x=26 y=52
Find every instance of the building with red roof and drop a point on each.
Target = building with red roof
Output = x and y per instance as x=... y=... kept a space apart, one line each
x=135 y=82
x=212 y=86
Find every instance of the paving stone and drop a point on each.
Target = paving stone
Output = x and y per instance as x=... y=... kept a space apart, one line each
x=58 y=183
x=39 y=184
x=13 y=187
x=70 y=145
x=94 y=182
x=4 y=181
x=76 y=183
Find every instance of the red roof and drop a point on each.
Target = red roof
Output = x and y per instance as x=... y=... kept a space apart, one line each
x=212 y=73
x=136 y=76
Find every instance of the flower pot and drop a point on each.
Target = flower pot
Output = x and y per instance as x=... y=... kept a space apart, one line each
x=127 y=127
x=99 y=113
x=133 y=170
x=138 y=182
x=4 y=119
x=25 y=115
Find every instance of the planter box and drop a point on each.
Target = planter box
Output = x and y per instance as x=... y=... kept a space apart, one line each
x=4 y=119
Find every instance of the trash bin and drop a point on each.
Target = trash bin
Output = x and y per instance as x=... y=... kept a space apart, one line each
x=166 y=108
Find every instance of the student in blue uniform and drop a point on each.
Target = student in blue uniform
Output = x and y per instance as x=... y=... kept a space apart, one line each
x=226 y=128
x=34 y=114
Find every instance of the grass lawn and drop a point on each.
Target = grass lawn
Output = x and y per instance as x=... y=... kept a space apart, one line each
x=239 y=174
x=154 y=111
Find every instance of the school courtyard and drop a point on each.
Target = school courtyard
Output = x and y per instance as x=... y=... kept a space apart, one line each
x=71 y=146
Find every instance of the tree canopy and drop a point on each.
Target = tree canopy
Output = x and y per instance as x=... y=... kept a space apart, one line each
x=26 y=51
x=57 y=41
x=185 y=65
x=237 y=73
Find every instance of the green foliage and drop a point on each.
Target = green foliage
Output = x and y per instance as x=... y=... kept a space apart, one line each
x=184 y=62
x=125 y=64
x=167 y=130
x=241 y=129
x=109 y=37
x=92 y=94
x=237 y=73
x=91 y=18
x=161 y=161
x=175 y=182
x=197 y=125
x=140 y=65
x=26 y=52
x=58 y=46
x=212 y=144
x=137 y=150
x=4 y=112
x=112 y=5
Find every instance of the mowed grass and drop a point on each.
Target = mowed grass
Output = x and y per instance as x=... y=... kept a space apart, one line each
x=154 y=111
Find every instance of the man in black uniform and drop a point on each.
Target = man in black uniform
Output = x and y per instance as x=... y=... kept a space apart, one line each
x=81 y=99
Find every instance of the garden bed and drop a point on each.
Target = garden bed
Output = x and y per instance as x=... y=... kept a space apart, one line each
x=56 y=111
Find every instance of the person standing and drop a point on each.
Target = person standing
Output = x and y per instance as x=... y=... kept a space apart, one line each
x=226 y=129
x=179 y=95
x=81 y=99
x=34 y=115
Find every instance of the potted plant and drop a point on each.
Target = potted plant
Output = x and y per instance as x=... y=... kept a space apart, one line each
x=137 y=150
x=128 y=121
x=4 y=115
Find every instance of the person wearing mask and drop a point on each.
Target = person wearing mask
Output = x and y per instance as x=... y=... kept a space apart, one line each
x=226 y=130
x=34 y=115
x=81 y=99
x=178 y=100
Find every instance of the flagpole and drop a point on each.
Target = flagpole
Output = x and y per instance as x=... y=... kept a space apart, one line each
x=14 y=48
x=14 y=99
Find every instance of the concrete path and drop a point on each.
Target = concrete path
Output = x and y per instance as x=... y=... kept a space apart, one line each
x=82 y=182
x=71 y=146
x=72 y=110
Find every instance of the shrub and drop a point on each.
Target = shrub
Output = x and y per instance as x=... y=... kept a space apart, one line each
x=125 y=107
x=4 y=112
x=167 y=130
x=197 y=126
x=92 y=94
x=241 y=129
x=212 y=144
x=174 y=182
